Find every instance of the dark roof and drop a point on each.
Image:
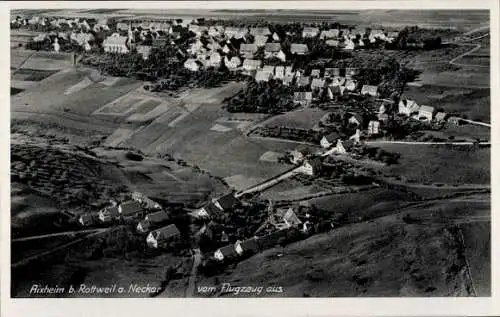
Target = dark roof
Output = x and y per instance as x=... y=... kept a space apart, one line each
x=249 y=245
x=212 y=209
x=166 y=232
x=157 y=216
x=111 y=210
x=316 y=163
x=227 y=201
x=228 y=251
x=130 y=207
x=271 y=239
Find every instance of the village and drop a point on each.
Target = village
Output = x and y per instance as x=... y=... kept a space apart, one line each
x=338 y=69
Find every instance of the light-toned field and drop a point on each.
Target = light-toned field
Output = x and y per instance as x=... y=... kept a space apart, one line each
x=307 y=118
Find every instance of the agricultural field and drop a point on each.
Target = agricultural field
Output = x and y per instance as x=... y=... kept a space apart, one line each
x=428 y=164
x=307 y=118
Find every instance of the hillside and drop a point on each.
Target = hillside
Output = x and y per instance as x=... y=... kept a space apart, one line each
x=388 y=256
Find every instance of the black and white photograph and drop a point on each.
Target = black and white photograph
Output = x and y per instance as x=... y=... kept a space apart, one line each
x=250 y=153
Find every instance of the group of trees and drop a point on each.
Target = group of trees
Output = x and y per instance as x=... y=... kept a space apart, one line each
x=262 y=97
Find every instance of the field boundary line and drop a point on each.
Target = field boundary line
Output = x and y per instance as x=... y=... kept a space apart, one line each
x=462 y=241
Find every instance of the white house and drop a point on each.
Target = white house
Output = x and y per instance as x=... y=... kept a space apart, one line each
x=192 y=64
x=260 y=40
x=328 y=140
x=247 y=246
x=373 y=127
x=426 y=113
x=109 y=214
x=349 y=45
x=351 y=85
x=163 y=236
x=116 y=44
x=263 y=75
x=232 y=63
x=407 y=107
x=312 y=167
x=369 y=90
x=225 y=253
x=299 y=49
x=86 y=220
x=251 y=64
x=279 y=72
x=309 y=32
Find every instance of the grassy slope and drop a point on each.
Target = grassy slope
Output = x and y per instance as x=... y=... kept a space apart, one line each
x=384 y=257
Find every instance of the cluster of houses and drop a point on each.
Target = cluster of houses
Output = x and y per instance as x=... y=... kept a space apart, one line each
x=152 y=223
x=284 y=225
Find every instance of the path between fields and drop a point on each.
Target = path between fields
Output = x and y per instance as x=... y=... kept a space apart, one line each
x=270 y=182
x=58 y=248
x=194 y=270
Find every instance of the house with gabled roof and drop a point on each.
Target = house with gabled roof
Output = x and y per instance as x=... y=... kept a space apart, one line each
x=332 y=43
x=315 y=73
x=329 y=140
x=116 y=44
x=312 y=167
x=440 y=116
x=247 y=247
x=109 y=214
x=351 y=85
x=260 y=31
x=329 y=34
x=271 y=50
x=235 y=32
x=86 y=219
x=332 y=72
x=279 y=72
x=226 y=202
x=373 y=127
x=426 y=113
x=129 y=208
x=260 y=40
x=369 y=90
x=248 y=50
x=233 y=63
x=310 y=31
x=251 y=64
x=407 y=107
x=263 y=76
x=226 y=253
x=303 y=81
x=303 y=98
x=299 y=49
x=163 y=237
x=193 y=64
x=318 y=84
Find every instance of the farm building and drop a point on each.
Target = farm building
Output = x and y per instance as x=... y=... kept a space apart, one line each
x=329 y=140
x=312 y=167
x=157 y=217
x=232 y=63
x=304 y=98
x=214 y=60
x=248 y=246
x=309 y=32
x=377 y=34
x=426 y=113
x=193 y=64
x=163 y=236
x=373 y=127
x=440 y=116
x=333 y=91
x=129 y=208
x=454 y=120
x=86 y=219
x=116 y=44
x=263 y=76
x=349 y=45
x=272 y=50
x=332 y=72
x=391 y=36
x=248 y=50
x=407 y=107
x=251 y=64
x=329 y=34
x=290 y=218
x=369 y=90
x=227 y=252
x=108 y=214
x=299 y=49
x=226 y=202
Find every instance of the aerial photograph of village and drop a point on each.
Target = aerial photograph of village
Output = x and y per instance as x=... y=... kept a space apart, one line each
x=250 y=153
